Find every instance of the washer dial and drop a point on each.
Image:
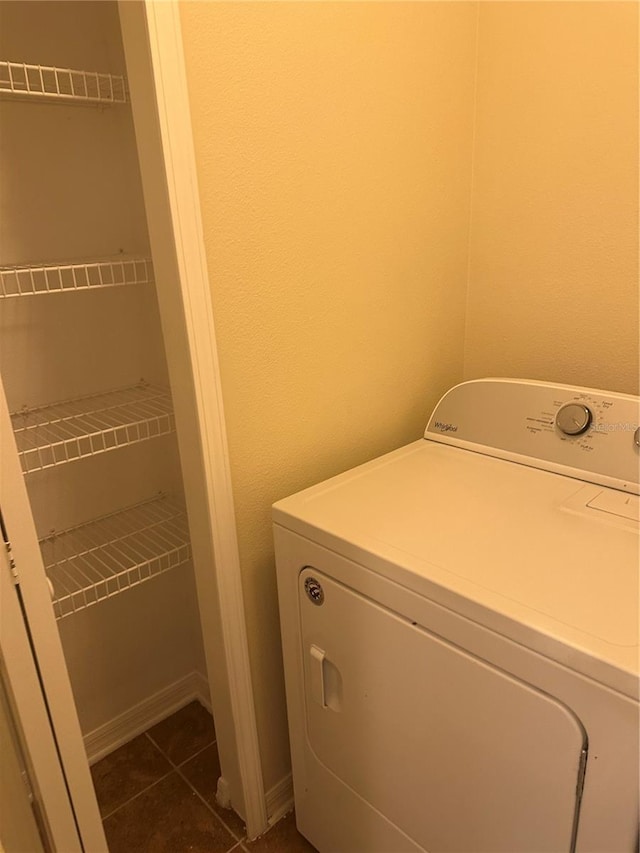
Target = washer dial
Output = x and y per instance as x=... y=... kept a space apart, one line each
x=574 y=419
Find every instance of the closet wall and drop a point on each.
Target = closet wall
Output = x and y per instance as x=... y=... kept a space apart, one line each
x=70 y=191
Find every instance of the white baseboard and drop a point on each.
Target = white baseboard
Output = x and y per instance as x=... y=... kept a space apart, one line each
x=279 y=799
x=126 y=726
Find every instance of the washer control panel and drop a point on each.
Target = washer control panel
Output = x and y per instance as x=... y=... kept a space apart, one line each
x=590 y=434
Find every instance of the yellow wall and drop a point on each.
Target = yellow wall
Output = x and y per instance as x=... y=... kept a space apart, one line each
x=553 y=276
x=333 y=143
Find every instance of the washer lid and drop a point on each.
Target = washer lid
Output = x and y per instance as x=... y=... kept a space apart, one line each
x=520 y=550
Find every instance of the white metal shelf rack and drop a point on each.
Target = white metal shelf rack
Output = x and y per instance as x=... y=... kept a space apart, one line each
x=74 y=276
x=20 y=79
x=62 y=432
x=98 y=560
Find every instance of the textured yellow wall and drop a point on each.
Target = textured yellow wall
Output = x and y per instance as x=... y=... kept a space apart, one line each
x=333 y=143
x=553 y=276
x=334 y=148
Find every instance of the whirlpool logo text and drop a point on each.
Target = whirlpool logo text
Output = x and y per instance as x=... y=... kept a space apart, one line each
x=445 y=427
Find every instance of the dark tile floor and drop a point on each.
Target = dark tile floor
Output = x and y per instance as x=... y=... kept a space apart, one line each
x=157 y=795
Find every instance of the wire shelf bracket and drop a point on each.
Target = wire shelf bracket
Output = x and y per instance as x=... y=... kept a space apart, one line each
x=63 y=432
x=22 y=80
x=63 y=278
x=95 y=561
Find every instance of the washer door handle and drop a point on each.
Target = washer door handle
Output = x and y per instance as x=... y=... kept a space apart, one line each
x=317 y=675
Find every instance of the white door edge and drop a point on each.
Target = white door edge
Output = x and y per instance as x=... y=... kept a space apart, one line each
x=36 y=669
x=228 y=640
x=23 y=684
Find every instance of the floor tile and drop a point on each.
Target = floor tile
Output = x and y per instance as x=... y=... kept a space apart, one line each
x=202 y=772
x=281 y=838
x=184 y=733
x=169 y=817
x=126 y=772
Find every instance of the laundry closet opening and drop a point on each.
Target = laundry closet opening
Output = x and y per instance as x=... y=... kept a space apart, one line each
x=87 y=379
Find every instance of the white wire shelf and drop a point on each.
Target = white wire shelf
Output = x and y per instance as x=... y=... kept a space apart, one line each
x=69 y=84
x=95 y=561
x=62 y=432
x=62 y=278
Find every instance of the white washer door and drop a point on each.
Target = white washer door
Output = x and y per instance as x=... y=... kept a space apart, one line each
x=459 y=755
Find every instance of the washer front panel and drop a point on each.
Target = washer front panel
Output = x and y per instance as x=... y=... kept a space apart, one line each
x=609 y=811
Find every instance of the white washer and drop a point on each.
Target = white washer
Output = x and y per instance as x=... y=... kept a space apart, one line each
x=460 y=632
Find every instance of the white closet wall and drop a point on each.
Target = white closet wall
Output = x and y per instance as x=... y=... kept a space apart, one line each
x=70 y=193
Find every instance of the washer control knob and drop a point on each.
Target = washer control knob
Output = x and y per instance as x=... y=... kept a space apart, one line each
x=574 y=419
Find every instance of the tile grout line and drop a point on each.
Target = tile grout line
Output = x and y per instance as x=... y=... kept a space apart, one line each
x=213 y=812
x=173 y=767
x=169 y=759
x=139 y=794
x=195 y=754
x=177 y=769
x=236 y=843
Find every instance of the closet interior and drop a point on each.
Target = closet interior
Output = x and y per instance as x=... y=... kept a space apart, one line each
x=85 y=374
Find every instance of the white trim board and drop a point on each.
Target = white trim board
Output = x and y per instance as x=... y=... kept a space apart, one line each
x=140 y=717
x=156 y=74
x=280 y=799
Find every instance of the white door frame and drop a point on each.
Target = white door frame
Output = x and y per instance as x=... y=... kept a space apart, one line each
x=157 y=80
